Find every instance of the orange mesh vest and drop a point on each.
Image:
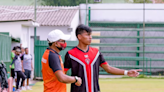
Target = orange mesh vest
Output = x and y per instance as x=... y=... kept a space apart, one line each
x=51 y=83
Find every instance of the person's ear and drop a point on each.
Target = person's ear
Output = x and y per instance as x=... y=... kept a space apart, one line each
x=79 y=36
x=54 y=44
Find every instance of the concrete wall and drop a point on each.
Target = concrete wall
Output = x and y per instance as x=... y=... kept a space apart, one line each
x=43 y=31
x=14 y=28
x=13 y=44
x=19 y=2
x=74 y=24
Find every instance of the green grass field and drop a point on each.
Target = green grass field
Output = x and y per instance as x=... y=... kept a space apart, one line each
x=120 y=85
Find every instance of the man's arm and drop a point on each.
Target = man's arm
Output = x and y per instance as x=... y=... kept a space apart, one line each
x=67 y=63
x=13 y=61
x=67 y=79
x=117 y=71
x=112 y=70
x=31 y=64
x=22 y=66
x=12 y=55
x=55 y=65
x=22 y=63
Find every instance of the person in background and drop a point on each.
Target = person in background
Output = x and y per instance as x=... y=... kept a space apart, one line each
x=21 y=54
x=12 y=67
x=22 y=51
x=28 y=67
x=18 y=69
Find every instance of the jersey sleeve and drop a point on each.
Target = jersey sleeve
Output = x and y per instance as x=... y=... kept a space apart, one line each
x=102 y=60
x=54 y=62
x=67 y=63
x=31 y=56
x=15 y=58
x=22 y=57
x=12 y=55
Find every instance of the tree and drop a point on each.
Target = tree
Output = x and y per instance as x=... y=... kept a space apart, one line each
x=63 y=2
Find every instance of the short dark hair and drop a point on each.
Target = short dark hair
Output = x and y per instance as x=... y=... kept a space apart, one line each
x=26 y=48
x=18 y=47
x=50 y=44
x=14 y=48
x=81 y=28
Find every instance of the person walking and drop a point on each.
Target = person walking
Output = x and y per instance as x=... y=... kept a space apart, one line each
x=18 y=69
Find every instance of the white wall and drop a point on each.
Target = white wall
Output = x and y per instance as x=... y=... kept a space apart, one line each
x=17 y=30
x=43 y=31
x=13 y=44
x=123 y=15
x=24 y=37
x=14 y=28
x=74 y=24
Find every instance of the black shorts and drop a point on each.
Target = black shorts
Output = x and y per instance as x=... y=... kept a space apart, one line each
x=27 y=73
x=12 y=73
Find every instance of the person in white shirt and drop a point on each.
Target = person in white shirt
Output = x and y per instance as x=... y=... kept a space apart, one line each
x=18 y=69
x=28 y=66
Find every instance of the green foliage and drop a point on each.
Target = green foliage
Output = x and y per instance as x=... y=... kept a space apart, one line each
x=63 y=2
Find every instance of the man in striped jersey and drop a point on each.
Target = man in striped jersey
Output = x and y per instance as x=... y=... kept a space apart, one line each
x=84 y=62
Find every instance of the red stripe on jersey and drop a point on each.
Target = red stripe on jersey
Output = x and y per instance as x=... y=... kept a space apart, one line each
x=103 y=63
x=66 y=69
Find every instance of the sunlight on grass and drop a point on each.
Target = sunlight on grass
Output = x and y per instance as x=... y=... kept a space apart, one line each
x=119 y=85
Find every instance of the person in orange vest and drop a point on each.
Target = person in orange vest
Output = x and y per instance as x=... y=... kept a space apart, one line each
x=53 y=73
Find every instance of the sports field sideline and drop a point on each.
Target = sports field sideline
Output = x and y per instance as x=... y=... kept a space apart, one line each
x=120 y=85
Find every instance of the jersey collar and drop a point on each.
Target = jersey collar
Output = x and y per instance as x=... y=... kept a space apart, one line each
x=82 y=50
x=52 y=50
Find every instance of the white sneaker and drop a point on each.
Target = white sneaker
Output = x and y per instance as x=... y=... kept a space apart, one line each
x=18 y=90
x=23 y=88
x=28 y=88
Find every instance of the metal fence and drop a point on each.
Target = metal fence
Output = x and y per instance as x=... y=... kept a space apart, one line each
x=5 y=50
x=124 y=40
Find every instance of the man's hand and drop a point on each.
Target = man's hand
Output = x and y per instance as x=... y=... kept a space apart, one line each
x=79 y=82
x=10 y=66
x=134 y=73
x=23 y=70
x=32 y=69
